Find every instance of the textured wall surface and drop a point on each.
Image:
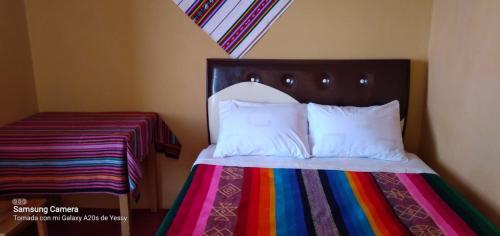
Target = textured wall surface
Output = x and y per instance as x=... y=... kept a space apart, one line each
x=461 y=134
x=17 y=86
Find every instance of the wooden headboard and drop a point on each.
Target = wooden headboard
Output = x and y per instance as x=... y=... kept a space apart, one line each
x=332 y=82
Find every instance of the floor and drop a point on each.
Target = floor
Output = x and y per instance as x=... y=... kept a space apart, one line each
x=144 y=222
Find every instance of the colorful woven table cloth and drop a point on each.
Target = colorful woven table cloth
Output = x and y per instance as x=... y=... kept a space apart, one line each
x=236 y=25
x=80 y=152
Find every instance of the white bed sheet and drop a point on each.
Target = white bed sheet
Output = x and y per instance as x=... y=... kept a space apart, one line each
x=413 y=165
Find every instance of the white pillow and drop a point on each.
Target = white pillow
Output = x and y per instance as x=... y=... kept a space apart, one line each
x=248 y=129
x=370 y=132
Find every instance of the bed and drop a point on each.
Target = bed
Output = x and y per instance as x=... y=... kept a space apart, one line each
x=86 y=152
x=266 y=195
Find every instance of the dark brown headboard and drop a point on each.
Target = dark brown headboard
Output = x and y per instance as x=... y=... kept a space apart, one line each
x=332 y=82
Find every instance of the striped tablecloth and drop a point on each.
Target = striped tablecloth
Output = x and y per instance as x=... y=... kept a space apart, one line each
x=80 y=152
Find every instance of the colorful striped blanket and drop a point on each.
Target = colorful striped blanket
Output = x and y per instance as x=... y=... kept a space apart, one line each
x=80 y=152
x=235 y=25
x=222 y=200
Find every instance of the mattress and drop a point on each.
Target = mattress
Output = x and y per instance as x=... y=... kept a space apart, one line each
x=413 y=165
x=330 y=196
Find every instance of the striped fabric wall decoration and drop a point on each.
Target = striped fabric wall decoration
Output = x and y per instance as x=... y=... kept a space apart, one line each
x=235 y=25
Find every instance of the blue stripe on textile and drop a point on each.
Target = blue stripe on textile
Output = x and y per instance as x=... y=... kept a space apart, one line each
x=209 y=17
x=352 y=213
x=190 y=9
x=289 y=211
x=131 y=183
x=296 y=199
x=281 y=217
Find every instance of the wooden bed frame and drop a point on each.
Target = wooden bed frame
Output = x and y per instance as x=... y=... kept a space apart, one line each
x=332 y=82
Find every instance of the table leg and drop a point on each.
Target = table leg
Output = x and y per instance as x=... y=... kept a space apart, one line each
x=124 y=212
x=41 y=226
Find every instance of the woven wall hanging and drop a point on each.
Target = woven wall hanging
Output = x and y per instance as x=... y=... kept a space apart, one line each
x=236 y=25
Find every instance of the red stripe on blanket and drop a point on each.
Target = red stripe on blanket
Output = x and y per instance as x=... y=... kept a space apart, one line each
x=188 y=214
x=243 y=209
x=253 y=212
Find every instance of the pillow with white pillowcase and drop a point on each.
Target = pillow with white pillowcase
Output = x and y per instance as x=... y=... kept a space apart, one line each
x=369 y=132
x=260 y=129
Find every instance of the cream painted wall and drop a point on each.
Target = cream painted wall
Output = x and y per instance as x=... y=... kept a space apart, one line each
x=461 y=134
x=147 y=55
x=17 y=86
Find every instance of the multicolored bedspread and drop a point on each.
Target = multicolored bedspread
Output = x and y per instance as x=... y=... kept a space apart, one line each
x=222 y=200
x=80 y=152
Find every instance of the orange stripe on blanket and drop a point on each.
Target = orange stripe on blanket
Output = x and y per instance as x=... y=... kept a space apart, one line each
x=272 y=204
x=376 y=208
x=263 y=218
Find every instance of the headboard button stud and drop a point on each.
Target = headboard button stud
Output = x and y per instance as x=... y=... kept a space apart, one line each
x=288 y=80
x=254 y=78
x=326 y=81
x=363 y=81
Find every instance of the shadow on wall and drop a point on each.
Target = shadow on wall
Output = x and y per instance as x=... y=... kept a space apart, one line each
x=428 y=152
x=416 y=104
